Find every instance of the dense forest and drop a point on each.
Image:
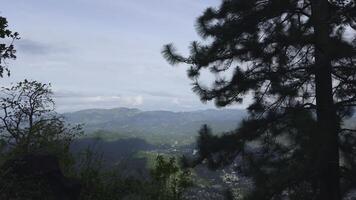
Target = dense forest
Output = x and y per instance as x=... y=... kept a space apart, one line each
x=292 y=61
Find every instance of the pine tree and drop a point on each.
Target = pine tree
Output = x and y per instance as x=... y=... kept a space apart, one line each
x=296 y=58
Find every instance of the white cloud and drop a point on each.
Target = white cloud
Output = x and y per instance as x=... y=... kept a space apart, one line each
x=176 y=101
x=124 y=100
x=133 y=101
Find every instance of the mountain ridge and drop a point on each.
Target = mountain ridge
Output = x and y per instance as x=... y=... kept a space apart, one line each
x=133 y=120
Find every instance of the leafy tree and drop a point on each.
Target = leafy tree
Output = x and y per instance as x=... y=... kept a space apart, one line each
x=7 y=50
x=28 y=122
x=35 y=143
x=296 y=58
x=169 y=179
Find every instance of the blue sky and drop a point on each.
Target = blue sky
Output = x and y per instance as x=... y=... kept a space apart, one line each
x=106 y=53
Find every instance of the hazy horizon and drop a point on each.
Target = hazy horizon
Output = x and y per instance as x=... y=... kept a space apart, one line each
x=145 y=110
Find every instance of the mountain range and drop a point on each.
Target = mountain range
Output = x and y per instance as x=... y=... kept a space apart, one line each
x=131 y=120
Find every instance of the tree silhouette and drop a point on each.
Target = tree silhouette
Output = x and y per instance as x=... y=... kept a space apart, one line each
x=28 y=122
x=7 y=50
x=296 y=58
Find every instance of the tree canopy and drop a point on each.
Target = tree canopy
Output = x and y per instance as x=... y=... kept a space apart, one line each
x=296 y=59
x=28 y=122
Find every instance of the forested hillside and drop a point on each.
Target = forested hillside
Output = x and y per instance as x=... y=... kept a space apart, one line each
x=126 y=120
x=155 y=127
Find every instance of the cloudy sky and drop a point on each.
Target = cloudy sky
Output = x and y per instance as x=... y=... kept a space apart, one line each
x=105 y=53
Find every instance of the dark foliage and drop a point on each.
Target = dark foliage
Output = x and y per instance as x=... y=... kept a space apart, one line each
x=36 y=142
x=166 y=182
x=36 y=177
x=296 y=58
x=7 y=50
x=28 y=122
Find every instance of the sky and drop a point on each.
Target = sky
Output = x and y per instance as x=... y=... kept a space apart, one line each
x=106 y=53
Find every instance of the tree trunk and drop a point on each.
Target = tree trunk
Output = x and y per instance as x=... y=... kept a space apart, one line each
x=327 y=163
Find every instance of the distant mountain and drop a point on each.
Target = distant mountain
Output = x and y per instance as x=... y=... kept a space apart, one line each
x=127 y=120
x=130 y=139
